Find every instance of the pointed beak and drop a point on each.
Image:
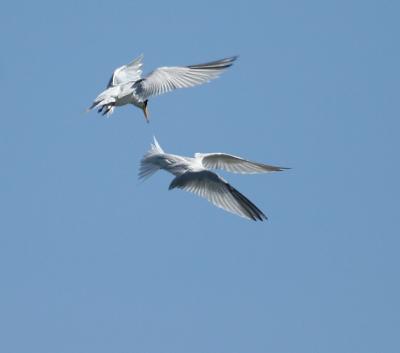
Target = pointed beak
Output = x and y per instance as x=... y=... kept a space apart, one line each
x=146 y=113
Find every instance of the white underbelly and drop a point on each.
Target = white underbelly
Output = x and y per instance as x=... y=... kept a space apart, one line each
x=127 y=99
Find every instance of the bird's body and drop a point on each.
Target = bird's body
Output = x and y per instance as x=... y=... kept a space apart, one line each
x=126 y=85
x=117 y=96
x=193 y=174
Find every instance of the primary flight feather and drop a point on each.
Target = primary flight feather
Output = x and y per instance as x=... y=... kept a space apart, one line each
x=126 y=85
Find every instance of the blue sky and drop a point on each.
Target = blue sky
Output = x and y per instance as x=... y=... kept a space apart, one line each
x=91 y=260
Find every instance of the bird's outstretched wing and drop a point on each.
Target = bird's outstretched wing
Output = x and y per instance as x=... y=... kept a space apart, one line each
x=165 y=79
x=235 y=164
x=127 y=73
x=216 y=190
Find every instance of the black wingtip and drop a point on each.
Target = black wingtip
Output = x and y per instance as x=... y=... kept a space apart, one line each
x=173 y=184
x=217 y=64
x=251 y=210
x=234 y=58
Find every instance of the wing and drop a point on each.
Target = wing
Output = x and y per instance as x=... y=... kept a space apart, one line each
x=216 y=190
x=235 y=164
x=127 y=73
x=166 y=79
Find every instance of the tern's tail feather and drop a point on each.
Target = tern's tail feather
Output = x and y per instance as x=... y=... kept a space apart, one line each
x=155 y=147
x=150 y=161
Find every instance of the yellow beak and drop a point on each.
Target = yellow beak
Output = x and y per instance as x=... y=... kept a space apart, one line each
x=146 y=113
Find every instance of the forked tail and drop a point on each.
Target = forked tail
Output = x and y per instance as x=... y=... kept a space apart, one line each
x=150 y=161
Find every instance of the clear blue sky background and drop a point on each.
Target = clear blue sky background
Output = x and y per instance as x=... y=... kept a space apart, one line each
x=91 y=260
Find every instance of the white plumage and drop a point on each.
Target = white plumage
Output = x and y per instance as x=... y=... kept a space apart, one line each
x=126 y=86
x=192 y=174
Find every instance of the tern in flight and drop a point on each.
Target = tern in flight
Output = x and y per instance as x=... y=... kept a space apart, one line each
x=127 y=86
x=193 y=174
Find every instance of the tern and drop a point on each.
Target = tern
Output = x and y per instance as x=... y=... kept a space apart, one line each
x=127 y=86
x=192 y=174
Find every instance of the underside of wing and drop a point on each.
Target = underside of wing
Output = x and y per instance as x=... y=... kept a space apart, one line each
x=216 y=190
x=166 y=79
x=235 y=164
x=127 y=73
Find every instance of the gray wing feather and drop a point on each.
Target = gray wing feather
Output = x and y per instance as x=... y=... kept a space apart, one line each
x=127 y=73
x=235 y=164
x=216 y=190
x=166 y=79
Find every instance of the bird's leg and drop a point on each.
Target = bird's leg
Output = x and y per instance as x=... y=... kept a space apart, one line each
x=107 y=109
